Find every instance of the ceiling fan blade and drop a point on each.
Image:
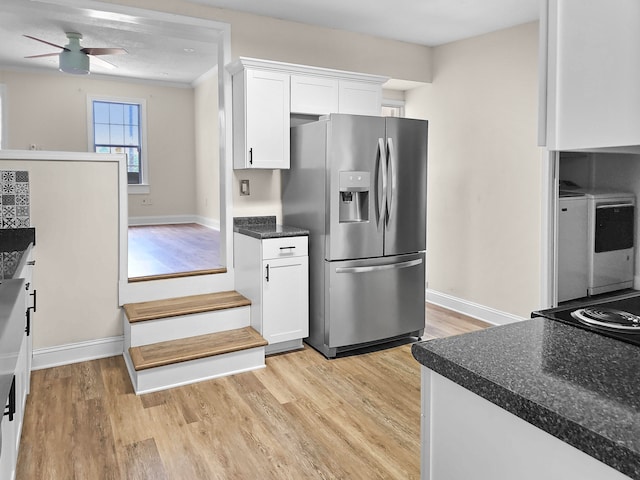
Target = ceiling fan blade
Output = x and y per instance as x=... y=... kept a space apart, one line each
x=48 y=43
x=102 y=62
x=103 y=51
x=44 y=55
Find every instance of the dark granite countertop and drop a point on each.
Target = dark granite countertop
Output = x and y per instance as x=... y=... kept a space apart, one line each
x=580 y=387
x=265 y=227
x=14 y=243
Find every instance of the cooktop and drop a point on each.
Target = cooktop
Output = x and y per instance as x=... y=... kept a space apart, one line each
x=618 y=317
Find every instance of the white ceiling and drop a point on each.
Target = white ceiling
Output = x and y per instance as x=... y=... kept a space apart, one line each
x=156 y=46
x=156 y=49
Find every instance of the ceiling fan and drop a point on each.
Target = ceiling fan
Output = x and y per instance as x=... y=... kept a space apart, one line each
x=74 y=58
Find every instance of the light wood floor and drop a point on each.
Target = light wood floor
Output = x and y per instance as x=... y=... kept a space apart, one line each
x=303 y=417
x=170 y=249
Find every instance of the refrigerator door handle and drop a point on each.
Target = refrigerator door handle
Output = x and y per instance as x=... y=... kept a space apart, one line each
x=382 y=171
x=391 y=177
x=378 y=268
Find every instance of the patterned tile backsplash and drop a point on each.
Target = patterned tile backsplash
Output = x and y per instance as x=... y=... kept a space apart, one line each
x=14 y=199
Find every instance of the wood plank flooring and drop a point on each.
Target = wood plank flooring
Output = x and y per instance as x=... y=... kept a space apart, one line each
x=172 y=249
x=303 y=416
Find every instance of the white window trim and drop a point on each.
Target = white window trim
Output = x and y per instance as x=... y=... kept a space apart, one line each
x=141 y=188
x=387 y=102
x=4 y=123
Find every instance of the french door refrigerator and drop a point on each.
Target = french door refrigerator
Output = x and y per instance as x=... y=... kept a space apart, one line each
x=359 y=185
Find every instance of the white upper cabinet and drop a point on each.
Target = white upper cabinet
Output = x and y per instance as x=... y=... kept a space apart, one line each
x=359 y=98
x=266 y=93
x=314 y=95
x=261 y=119
x=590 y=74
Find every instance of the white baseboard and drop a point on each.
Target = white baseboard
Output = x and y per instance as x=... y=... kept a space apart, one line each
x=208 y=222
x=77 y=352
x=172 y=219
x=475 y=310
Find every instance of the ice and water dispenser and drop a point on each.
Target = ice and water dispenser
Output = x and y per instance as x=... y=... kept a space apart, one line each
x=354 y=196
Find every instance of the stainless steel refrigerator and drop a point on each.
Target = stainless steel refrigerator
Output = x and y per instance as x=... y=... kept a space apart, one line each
x=359 y=185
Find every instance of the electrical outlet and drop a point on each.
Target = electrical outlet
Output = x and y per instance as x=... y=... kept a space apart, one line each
x=146 y=201
x=244 y=187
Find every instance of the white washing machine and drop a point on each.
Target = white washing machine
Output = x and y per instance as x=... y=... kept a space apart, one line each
x=611 y=240
x=573 y=248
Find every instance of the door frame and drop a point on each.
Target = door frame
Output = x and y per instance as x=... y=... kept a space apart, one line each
x=549 y=229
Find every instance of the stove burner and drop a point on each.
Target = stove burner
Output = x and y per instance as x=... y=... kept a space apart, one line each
x=608 y=318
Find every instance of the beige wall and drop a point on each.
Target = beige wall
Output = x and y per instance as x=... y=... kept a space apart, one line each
x=484 y=190
x=74 y=208
x=207 y=168
x=50 y=110
x=280 y=40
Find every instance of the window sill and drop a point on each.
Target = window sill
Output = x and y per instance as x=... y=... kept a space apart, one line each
x=138 y=189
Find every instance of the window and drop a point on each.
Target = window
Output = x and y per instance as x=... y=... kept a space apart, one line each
x=117 y=126
x=392 y=108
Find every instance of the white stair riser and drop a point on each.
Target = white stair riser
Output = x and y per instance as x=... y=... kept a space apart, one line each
x=184 y=373
x=184 y=326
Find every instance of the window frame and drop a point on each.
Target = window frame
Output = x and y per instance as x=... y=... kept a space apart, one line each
x=144 y=186
x=391 y=103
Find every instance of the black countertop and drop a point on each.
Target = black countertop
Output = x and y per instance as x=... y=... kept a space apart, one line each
x=14 y=242
x=265 y=227
x=580 y=387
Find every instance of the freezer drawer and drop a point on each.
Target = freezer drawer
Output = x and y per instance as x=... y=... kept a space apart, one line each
x=374 y=299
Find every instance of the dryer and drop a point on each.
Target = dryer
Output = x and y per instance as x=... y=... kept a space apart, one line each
x=611 y=240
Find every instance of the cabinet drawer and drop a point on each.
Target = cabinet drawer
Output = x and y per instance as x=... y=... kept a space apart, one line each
x=284 y=247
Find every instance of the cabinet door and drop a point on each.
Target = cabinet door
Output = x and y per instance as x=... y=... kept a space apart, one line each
x=285 y=296
x=8 y=455
x=592 y=52
x=314 y=95
x=267 y=119
x=360 y=98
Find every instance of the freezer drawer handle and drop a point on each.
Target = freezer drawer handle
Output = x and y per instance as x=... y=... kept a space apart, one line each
x=378 y=268
x=613 y=205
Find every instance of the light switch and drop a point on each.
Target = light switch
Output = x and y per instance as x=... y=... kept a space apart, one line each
x=244 y=187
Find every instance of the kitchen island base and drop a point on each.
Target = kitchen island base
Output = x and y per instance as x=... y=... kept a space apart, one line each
x=466 y=436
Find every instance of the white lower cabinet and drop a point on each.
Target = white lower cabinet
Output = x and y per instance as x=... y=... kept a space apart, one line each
x=12 y=424
x=274 y=274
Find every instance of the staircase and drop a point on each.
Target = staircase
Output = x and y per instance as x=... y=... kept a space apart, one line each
x=177 y=341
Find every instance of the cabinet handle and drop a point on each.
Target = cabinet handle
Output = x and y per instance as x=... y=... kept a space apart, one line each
x=34 y=299
x=267 y=277
x=251 y=156
x=27 y=329
x=287 y=248
x=31 y=263
x=12 y=401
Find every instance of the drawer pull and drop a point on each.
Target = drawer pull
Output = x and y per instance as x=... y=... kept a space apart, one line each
x=287 y=248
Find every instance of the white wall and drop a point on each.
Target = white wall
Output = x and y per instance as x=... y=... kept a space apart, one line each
x=50 y=110
x=74 y=208
x=207 y=167
x=484 y=187
x=272 y=39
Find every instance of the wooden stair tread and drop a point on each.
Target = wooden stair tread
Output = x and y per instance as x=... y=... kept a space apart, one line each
x=171 y=307
x=192 y=348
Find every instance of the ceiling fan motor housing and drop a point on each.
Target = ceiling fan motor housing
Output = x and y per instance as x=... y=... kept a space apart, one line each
x=76 y=63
